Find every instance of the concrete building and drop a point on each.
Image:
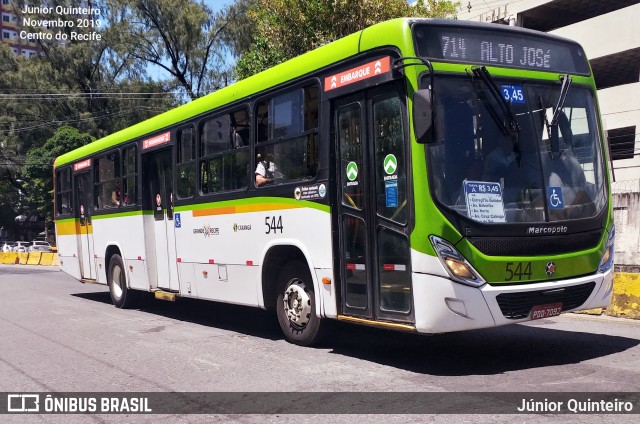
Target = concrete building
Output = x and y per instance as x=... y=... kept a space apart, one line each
x=610 y=34
x=24 y=24
x=10 y=27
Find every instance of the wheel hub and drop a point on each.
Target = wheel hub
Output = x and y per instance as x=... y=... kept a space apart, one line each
x=297 y=303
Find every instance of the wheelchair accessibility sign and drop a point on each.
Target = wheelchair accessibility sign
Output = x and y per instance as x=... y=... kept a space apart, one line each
x=554 y=198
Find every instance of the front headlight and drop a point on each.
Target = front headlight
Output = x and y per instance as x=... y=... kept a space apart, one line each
x=607 y=258
x=458 y=268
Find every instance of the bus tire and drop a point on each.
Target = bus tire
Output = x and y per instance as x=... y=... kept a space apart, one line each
x=295 y=307
x=121 y=295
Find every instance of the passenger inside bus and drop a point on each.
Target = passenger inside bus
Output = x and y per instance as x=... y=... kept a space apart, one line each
x=265 y=170
x=500 y=161
x=115 y=196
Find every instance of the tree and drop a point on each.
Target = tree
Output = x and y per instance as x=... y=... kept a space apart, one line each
x=183 y=37
x=288 y=28
x=38 y=168
x=87 y=84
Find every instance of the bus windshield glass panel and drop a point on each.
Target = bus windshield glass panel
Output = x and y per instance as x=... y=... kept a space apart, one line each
x=544 y=172
x=500 y=47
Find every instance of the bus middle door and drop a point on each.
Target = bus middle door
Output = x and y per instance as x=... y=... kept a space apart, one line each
x=158 y=189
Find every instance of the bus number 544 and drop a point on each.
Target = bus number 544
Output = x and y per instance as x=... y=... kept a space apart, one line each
x=518 y=270
x=273 y=223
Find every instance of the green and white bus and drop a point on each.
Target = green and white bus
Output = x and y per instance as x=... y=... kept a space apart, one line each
x=420 y=175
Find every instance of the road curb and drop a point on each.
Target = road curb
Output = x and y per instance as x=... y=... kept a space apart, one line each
x=32 y=258
x=625 y=301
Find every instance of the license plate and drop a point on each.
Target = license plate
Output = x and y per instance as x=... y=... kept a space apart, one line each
x=546 y=311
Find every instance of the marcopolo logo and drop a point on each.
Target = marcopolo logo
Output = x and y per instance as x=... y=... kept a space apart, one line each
x=207 y=230
x=560 y=229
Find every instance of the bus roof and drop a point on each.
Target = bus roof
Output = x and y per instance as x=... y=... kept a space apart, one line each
x=396 y=29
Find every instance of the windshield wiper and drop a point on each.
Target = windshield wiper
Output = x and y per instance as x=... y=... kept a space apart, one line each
x=508 y=125
x=564 y=89
x=552 y=127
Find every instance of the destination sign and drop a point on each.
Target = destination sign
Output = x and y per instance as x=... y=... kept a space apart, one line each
x=500 y=48
x=82 y=165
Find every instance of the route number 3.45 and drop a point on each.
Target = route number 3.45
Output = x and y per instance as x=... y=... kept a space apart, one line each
x=273 y=223
x=517 y=270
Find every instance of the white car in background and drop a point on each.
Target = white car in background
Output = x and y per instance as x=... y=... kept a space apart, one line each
x=39 y=246
x=8 y=246
x=20 y=246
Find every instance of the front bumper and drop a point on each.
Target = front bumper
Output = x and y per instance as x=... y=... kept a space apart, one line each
x=442 y=305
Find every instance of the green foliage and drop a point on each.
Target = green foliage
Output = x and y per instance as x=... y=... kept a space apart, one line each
x=38 y=167
x=287 y=28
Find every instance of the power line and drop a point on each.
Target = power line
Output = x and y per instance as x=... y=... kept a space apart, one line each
x=68 y=121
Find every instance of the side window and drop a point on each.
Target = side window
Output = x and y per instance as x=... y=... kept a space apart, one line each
x=129 y=176
x=224 y=163
x=214 y=136
x=287 y=114
x=107 y=190
x=63 y=192
x=390 y=164
x=186 y=163
x=287 y=131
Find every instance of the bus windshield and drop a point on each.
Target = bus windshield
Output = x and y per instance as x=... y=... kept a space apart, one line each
x=549 y=170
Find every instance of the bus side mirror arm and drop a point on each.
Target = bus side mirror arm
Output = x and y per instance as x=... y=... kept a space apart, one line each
x=424 y=116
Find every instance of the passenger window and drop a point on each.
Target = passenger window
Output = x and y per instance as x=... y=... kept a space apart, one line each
x=129 y=176
x=214 y=137
x=287 y=127
x=63 y=192
x=107 y=190
x=287 y=114
x=186 y=163
x=224 y=164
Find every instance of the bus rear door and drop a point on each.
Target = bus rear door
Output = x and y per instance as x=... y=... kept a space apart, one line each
x=84 y=228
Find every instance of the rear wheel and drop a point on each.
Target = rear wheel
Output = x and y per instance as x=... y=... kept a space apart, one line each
x=121 y=295
x=296 y=306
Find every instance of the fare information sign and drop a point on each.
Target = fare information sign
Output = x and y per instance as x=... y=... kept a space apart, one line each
x=484 y=201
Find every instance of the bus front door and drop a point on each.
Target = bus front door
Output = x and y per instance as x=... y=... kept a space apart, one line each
x=371 y=213
x=159 y=231
x=84 y=229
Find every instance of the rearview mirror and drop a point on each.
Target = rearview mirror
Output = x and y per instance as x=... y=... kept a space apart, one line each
x=423 y=116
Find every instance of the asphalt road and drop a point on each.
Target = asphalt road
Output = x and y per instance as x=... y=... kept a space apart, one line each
x=59 y=335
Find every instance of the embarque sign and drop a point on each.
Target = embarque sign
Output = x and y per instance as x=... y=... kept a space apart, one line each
x=357 y=74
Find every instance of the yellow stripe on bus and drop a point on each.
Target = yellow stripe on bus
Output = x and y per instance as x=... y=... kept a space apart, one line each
x=70 y=228
x=225 y=210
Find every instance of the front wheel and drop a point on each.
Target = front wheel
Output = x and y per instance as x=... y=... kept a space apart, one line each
x=121 y=295
x=296 y=306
